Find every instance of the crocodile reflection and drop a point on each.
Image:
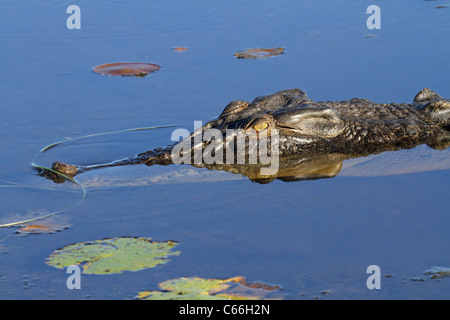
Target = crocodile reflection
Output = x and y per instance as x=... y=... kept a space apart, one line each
x=293 y=168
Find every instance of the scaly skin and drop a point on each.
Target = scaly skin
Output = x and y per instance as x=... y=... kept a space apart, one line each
x=349 y=128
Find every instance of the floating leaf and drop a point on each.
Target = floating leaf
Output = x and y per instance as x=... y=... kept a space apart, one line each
x=108 y=256
x=127 y=69
x=180 y=49
x=257 y=53
x=194 y=288
x=438 y=272
x=40 y=228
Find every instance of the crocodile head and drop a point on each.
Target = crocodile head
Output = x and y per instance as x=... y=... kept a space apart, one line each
x=304 y=126
x=290 y=112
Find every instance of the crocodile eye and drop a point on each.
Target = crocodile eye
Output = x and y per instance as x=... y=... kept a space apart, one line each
x=260 y=126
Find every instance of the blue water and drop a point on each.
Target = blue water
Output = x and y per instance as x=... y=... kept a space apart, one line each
x=306 y=236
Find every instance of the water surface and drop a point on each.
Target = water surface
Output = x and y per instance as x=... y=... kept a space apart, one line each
x=307 y=237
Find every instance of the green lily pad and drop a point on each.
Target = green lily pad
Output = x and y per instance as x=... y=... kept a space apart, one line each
x=258 y=53
x=109 y=256
x=194 y=288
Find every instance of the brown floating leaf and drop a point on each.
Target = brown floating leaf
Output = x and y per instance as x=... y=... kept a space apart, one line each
x=127 y=69
x=257 y=53
x=438 y=272
x=180 y=49
x=256 y=285
x=32 y=229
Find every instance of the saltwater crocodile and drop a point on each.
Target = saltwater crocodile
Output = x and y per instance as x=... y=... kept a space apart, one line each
x=325 y=132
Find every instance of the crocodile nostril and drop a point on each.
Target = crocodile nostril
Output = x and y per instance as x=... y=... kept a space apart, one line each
x=64 y=168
